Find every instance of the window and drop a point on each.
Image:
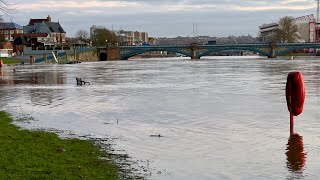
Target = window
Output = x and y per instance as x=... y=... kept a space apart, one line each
x=5 y=31
x=11 y=31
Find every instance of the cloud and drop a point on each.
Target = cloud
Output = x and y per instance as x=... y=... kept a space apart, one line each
x=166 y=17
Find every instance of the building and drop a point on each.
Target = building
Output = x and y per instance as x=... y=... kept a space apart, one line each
x=6 y=49
x=267 y=31
x=93 y=29
x=306 y=28
x=152 y=41
x=128 y=38
x=131 y=38
x=8 y=30
x=32 y=41
x=56 y=34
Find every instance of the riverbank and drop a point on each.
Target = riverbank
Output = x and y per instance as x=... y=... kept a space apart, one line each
x=9 y=61
x=297 y=58
x=28 y=154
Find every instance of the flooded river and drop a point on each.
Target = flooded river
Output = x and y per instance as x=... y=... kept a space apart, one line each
x=218 y=118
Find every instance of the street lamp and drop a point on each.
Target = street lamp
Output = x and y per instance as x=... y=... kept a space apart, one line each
x=106 y=42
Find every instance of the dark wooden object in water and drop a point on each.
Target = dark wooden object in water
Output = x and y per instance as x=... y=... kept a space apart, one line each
x=80 y=82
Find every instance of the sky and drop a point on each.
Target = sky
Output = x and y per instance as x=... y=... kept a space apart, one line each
x=162 y=18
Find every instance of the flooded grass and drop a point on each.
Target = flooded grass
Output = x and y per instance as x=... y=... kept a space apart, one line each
x=28 y=154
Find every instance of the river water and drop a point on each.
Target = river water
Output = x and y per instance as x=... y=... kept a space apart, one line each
x=218 y=118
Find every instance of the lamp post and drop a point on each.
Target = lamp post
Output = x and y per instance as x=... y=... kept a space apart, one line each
x=74 y=51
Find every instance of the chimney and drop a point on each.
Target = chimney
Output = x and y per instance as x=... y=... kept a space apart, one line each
x=49 y=18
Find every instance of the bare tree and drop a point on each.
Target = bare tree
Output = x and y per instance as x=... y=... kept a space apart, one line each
x=287 y=31
x=6 y=7
x=82 y=35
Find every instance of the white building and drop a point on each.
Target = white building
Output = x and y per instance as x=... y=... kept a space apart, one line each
x=306 y=25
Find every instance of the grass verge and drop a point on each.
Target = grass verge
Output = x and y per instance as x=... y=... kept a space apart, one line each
x=28 y=154
x=11 y=61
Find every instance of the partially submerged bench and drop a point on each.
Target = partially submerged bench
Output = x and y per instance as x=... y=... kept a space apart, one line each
x=80 y=82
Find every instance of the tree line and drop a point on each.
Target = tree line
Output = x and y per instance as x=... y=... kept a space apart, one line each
x=100 y=37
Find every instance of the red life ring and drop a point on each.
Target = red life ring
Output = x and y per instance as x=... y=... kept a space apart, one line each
x=295 y=93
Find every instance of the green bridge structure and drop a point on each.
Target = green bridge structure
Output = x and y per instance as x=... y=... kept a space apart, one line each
x=194 y=50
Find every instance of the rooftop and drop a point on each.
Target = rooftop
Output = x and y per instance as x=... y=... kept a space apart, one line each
x=10 y=25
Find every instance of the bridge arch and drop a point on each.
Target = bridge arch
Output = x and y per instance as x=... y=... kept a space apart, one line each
x=103 y=56
x=137 y=51
x=284 y=51
x=219 y=49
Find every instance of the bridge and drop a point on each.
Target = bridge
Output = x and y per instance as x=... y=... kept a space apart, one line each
x=196 y=51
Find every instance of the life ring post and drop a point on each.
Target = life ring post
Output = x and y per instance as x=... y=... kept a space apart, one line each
x=295 y=96
x=291 y=124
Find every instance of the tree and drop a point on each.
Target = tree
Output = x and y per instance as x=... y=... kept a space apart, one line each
x=82 y=35
x=287 y=31
x=102 y=37
x=261 y=37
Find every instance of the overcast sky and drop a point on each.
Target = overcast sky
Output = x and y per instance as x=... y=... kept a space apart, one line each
x=163 y=18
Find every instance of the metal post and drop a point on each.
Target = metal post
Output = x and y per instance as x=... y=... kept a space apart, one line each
x=318 y=10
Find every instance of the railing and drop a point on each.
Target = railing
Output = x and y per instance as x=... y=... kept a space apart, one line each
x=63 y=53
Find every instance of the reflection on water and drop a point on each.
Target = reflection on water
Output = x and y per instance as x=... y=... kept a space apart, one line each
x=296 y=157
x=33 y=76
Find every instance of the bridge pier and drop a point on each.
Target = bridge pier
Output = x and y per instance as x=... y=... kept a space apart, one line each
x=109 y=53
x=195 y=55
x=194 y=52
x=273 y=47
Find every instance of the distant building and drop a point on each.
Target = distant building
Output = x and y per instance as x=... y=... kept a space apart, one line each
x=212 y=42
x=267 y=31
x=56 y=34
x=8 y=30
x=128 y=38
x=152 y=41
x=32 y=40
x=93 y=29
x=131 y=38
x=306 y=25
x=6 y=49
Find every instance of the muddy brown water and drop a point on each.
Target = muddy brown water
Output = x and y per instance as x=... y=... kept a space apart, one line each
x=217 y=118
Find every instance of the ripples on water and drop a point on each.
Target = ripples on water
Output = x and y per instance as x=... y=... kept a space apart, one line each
x=218 y=118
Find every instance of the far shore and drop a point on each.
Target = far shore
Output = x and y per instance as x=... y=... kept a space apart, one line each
x=25 y=60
